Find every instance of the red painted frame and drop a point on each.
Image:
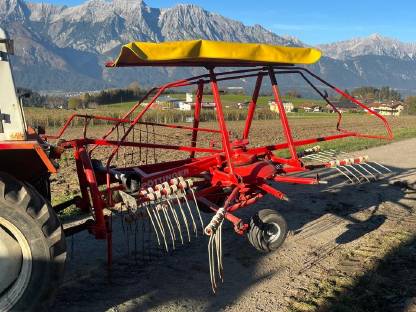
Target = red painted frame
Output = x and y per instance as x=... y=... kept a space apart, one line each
x=248 y=181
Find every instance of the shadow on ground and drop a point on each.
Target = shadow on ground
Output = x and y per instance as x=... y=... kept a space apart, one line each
x=389 y=287
x=180 y=282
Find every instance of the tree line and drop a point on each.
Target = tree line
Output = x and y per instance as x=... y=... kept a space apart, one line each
x=377 y=94
x=109 y=96
x=34 y=99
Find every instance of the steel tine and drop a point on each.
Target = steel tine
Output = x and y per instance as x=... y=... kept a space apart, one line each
x=185 y=219
x=167 y=219
x=219 y=252
x=213 y=254
x=335 y=152
x=368 y=171
x=350 y=172
x=343 y=173
x=190 y=212
x=312 y=158
x=325 y=158
x=175 y=217
x=380 y=165
x=153 y=224
x=320 y=158
x=211 y=264
x=358 y=171
x=324 y=155
x=197 y=209
x=329 y=153
x=161 y=228
x=384 y=167
x=166 y=209
x=368 y=165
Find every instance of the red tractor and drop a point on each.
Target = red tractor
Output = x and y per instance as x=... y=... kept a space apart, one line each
x=120 y=173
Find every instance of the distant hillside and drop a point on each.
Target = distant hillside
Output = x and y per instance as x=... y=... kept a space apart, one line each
x=64 y=48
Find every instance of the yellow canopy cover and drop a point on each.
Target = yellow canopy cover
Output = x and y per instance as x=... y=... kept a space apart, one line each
x=205 y=52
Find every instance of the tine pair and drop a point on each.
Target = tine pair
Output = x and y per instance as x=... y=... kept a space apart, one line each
x=215 y=256
x=214 y=231
x=321 y=157
x=380 y=165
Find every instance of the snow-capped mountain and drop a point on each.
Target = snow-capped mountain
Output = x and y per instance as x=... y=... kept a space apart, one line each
x=64 y=48
x=375 y=44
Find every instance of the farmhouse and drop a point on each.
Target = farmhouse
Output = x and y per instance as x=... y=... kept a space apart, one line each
x=288 y=106
x=242 y=105
x=188 y=106
x=342 y=107
x=393 y=108
x=308 y=108
x=168 y=102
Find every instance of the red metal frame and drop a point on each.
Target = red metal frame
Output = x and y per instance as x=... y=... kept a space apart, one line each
x=235 y=165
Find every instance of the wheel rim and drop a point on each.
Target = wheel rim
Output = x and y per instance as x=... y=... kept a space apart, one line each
x=18 y=273
x=272 y=232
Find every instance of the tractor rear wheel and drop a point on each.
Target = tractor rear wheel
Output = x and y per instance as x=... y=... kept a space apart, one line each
x=32 y=248
x=268 y=230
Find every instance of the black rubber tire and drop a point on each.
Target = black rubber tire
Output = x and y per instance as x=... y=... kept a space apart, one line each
x=43 y=185
x=23 y=206
x=258 y=232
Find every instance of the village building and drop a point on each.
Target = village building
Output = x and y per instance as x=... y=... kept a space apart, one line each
x=167 y=102
x=243 y=105
x=288 y=106
x=188 y=106
x=311 y=108
x=393 y=108
x=343 y=107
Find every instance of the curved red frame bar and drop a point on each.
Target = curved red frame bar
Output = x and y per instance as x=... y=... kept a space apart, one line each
x=88 y=179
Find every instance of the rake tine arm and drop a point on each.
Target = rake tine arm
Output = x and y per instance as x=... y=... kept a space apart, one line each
x=298 y=180
x=380 y=165
x=231 y=197
x=359 y=172
x=239 y=226
x=272 y=191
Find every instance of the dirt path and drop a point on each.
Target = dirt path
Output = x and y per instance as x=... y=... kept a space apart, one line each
x=337 y=235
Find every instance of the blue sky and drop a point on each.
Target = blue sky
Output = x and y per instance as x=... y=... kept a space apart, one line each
x=313 y=21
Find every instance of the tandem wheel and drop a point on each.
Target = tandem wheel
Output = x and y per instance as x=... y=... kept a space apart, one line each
x=268 y=230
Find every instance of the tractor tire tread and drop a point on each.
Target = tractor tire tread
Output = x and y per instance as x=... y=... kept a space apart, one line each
x=27 y=201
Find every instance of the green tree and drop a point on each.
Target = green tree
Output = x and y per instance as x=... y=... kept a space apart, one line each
x=344 y=100
x=293 y=94
x=374 y=94
x=74 y=103
x=411 y=105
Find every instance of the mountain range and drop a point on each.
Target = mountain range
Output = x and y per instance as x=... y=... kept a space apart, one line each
x=64 y=48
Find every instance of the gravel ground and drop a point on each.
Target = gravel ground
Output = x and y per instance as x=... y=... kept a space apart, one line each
x=337 y=235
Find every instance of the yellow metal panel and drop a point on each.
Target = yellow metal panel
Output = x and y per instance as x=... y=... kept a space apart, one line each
x=200 y=52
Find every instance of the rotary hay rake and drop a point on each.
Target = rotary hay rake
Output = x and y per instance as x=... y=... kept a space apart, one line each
x=217 y=176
